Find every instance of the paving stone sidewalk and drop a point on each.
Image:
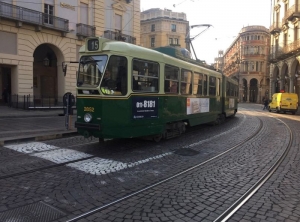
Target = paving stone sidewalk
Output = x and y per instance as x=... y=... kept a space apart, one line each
x=19 y=125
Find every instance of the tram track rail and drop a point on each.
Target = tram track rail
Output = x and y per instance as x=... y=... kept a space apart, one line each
x=105 y=206
x=188 y=132
x=250 y=192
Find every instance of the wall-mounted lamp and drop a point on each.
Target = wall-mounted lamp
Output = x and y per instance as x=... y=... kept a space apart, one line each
x=278 y=78
x=46 y=61
x=296 y=75
x=64 y=68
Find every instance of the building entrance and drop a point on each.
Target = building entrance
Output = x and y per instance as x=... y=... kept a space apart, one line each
x=5 y=84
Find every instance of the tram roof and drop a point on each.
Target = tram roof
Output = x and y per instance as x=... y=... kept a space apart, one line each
x=139 y=52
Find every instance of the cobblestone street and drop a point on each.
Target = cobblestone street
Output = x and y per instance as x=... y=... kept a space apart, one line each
x=74 y=175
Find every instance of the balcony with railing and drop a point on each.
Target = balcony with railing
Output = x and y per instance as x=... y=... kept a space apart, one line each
x=119 y=36
x=275 y=27
x=276 y=55
x=36 y=18
x=291 y=13
x=84 y=31
x=292 y=47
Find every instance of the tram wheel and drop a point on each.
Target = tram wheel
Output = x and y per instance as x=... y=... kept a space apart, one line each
x=101 y=140
x=183 y=128
x=157 y=138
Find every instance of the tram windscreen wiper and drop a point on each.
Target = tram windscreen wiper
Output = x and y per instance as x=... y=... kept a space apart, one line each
x=89 y=61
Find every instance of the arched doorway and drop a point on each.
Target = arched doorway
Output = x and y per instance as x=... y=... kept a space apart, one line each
x=253 y=90
x=45 y=75
x=284 y=83
x=297 y=80
x=245 y=90
x=276 y=81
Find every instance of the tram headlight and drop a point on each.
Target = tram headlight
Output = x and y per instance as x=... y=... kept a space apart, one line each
x=87 y=117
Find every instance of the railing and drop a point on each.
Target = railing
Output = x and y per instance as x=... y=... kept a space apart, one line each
x=290 y=12
x=33 y=17
x=275 y=55
x=116 y=36
x=292 y=46
x=253 y=54
x=35 y=102
x=85 y=30
x=159 y=13
x=276 y=25
x=254 y=27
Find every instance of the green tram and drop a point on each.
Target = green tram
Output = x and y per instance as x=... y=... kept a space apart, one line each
x=127 y=91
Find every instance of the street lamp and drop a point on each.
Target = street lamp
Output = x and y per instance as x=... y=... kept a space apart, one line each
x=46 y=61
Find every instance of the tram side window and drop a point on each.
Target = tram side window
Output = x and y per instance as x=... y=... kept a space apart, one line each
x=231 y=89
x=114 y=81
x=145 y=76
x=236 y=91
x=212 y=86
x=205 y=85
x=171 y=79
x=227 y=88
x=198 y=77
x=218 y=87
x=186 y=82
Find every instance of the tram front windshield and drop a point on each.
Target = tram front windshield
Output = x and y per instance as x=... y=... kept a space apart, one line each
x=90 y=70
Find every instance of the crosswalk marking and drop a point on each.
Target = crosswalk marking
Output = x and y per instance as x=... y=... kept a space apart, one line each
x=95 y=166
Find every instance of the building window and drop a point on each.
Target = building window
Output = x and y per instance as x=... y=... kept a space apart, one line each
x=170 y=41
x=173 y=28
x=152 y=27
x=285 y=39
x=176 y=41
x=152 y=42
x=49 y=11
x=84 y=13
x=118 y=22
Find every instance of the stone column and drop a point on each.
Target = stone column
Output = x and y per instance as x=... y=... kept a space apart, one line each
x=248 y=93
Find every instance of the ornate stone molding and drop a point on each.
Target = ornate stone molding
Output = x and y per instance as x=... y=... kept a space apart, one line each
x=277 y=7
x=280 y=64
x=118 y=7
x=285 y=27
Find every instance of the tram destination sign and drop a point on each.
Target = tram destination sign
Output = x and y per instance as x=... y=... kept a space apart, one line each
x=93 y=44
x=144 y=107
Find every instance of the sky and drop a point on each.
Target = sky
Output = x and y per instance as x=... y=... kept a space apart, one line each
x=227 y=18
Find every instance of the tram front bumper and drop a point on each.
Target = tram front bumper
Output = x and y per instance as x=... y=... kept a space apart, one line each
x=88 y=126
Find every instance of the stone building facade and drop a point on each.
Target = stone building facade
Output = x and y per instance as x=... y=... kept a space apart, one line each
x=163 y=27
x=285 y=46
x=38 y=38
x=246 y=60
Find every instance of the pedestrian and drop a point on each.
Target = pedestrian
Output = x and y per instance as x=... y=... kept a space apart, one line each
x=5 y=95
x=266 y=103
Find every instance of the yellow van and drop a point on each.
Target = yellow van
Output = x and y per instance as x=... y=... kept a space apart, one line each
x=284 y=102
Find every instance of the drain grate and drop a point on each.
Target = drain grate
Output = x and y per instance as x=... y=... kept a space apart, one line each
x=186 y=152
x=36 y=212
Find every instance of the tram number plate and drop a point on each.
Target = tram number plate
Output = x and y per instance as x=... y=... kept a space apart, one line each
x=88 y=109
